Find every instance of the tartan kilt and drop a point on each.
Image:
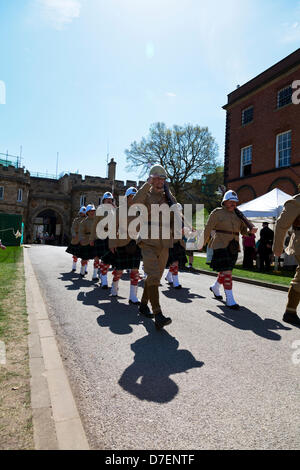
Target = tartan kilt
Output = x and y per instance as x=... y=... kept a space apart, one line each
x=85 y=252
x=125 y=259
x=73 y=249
x=177 y=253
x=100 y=248
x=108 y=258
x=223 y=260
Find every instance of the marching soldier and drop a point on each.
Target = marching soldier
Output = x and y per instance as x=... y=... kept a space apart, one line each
x=85 y=227
x=155 y=252
x=290 y=217
x=225 y=242
x=127 y=254
x=100 y=247
x=74 y=245
x=177 y=258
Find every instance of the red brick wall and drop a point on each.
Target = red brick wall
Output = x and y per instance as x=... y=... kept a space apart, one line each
x=261 y=134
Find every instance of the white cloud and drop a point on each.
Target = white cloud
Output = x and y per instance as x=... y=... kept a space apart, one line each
x=291 y=32
x=59 y=12
x=169 y=93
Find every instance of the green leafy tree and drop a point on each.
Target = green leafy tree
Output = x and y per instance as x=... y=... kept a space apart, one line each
x=186 y=152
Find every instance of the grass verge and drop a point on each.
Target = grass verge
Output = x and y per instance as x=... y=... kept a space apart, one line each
x=283 y=277
x=16 y=431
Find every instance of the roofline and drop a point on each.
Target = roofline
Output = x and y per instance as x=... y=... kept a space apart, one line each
x=260 y=80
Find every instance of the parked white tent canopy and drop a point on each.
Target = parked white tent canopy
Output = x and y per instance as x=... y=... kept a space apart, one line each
x=269 y=205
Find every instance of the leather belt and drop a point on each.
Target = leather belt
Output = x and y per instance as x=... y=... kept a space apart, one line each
x=228 y=233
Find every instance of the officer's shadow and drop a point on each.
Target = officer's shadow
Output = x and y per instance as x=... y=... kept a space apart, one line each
x=117 y=316
x=245 y=319
x=77 y=281
x=156 y=358
x=181 y=295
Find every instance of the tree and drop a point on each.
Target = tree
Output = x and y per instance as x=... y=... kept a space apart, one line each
x=186 y=153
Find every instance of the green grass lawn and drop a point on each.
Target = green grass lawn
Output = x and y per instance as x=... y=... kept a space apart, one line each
x=15 y=406
x=284 y=277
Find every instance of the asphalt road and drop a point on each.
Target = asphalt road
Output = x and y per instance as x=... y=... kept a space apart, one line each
x=213 y=379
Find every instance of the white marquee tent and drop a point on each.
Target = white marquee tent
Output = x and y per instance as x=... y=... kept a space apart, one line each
x=267 y=208
x=269 y=205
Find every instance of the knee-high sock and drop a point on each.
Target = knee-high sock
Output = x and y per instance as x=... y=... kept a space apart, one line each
x=175 y=271
x=217 y=285
x=228 y=290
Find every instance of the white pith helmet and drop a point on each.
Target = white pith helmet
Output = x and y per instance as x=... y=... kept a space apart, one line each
x=90 y=207
x=131 y=191
x=106 y=195
x=230 y=196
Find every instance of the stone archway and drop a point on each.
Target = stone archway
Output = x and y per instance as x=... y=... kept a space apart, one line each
x=47 y=227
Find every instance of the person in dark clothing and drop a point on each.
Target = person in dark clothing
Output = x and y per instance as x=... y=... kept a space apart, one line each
x=249 y=250
x=265 y=247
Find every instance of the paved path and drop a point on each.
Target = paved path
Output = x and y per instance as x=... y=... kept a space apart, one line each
x=213 y=379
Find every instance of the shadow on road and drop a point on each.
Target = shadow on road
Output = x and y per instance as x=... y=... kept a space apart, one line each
x=245 y=319
x=118 y=317
x=182 y=295
x=156 y=358
x=77 y=281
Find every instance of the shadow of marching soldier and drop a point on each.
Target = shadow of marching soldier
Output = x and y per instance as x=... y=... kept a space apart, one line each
x=156 y=358
x=118 y=317
x=247 y=320
x=77 y=281
x=183 y=295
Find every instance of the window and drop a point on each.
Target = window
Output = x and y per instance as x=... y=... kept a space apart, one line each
x=82 y=200
x=284 y=96
x=247 y=115
x=246 y=161
x=20 y=195
x=1 y=192
x=283 y=149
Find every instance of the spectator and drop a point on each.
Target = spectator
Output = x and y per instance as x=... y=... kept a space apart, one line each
x=249 y=250
x=265 y=247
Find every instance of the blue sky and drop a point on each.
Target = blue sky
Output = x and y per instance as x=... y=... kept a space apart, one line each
x=86 y=76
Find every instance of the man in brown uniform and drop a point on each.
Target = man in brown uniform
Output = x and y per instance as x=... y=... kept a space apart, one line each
x=226 y=227
x=155 y=252
x=74 y=245
x=290 y=217
x=85 y=228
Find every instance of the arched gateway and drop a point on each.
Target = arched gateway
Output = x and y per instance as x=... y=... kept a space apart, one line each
x=48 y=227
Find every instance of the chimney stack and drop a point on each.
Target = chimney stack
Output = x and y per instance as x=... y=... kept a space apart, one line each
x=112 y=170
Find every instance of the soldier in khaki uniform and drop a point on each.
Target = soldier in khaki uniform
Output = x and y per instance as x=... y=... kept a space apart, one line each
x=225 y=227
x=127 y=253
x=290 y=217
x=74 y=245
x=155 y=252
x=100 y=247
x=85 y=228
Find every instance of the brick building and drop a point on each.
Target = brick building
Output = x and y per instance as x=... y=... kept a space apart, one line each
x=50 y=204
x=262 y=145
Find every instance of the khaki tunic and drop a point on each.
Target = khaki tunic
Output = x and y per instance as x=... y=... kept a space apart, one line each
x=85 y=228
x=222 y=219
x=285 y=221
x=155 y=252
x=75 y=230
x=97 y=219
x=122 y=236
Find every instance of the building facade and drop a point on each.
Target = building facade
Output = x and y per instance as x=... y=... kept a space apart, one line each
x=49 y=205
x=262 y=143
